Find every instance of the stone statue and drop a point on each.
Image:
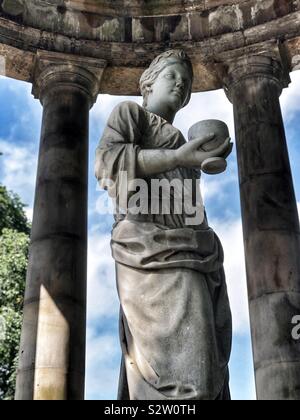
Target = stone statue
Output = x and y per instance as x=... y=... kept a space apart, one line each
x=175 y=323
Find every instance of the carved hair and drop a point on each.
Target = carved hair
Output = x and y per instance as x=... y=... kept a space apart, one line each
x=158 y=65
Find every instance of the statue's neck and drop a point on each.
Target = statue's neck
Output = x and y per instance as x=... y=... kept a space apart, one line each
x=161 y=111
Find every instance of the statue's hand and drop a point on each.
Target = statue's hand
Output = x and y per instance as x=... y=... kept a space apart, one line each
x=189 y=155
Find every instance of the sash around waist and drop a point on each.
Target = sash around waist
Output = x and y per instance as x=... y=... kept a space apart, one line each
x=146 y=246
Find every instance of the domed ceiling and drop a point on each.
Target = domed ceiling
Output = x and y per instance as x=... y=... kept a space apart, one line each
x=129 y=33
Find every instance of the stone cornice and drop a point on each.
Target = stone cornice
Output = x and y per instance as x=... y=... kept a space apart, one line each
x=130 y=8
x=53 y=70
x=138 y=8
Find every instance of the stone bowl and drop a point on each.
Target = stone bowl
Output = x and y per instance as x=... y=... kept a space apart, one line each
x=214 y=165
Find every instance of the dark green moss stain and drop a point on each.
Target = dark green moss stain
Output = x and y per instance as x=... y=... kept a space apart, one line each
x=61 y=9
x=96 y=21
x=128 y=29
x=170 y=25
x=283 y=7
x=148 y=24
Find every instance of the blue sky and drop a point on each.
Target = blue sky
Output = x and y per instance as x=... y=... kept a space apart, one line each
x=20 y=120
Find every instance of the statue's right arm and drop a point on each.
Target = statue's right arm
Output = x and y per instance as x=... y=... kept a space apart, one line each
x=153 y=162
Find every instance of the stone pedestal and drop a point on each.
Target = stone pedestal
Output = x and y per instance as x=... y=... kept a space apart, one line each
x=52 y=353
x=270 y=223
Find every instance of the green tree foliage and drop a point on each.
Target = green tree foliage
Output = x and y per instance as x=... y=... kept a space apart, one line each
x=12 y=215
x=14 y=244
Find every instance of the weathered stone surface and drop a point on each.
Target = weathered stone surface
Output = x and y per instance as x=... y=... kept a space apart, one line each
x=272 y=377
x=52 y=353
x=118 y=24
x=281 y=273
x=270 y=223
x=128 y=35
x=13 y=7
x=277 y=354
x=272 y=329
x=293 y=52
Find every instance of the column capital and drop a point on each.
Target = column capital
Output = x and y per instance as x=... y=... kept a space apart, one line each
x=255 y=67
x=54 y=70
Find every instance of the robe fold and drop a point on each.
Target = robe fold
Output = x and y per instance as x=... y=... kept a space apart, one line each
x=176 y=324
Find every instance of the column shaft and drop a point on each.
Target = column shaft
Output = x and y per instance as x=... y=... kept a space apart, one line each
x=270 y=223
x=52 y=351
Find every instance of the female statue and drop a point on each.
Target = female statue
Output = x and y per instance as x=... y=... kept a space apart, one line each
x=175 y=316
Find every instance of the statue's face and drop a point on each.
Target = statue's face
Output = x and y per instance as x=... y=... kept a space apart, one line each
x=172 y=87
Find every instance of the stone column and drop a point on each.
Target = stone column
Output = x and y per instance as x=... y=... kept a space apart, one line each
x=52 y=352
x=270 y=223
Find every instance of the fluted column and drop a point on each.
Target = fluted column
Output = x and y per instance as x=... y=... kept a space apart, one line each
x=52 y=351
x=270 y=223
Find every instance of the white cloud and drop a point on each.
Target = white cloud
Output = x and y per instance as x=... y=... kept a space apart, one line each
x=215 y=186
x=103 y=347
x=18 y=164
x=18 y=170
x=104 y=106
x=231 y=236
x=102 y=295
x=29 y=213
x=29 y=110
x=203 y=106
x=290 y=98
x=103 y=366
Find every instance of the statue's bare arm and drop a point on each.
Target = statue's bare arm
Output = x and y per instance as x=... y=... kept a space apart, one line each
x=153 y=162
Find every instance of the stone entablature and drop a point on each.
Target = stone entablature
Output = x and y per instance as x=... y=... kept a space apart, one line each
x=156 y=21
x=212 y=32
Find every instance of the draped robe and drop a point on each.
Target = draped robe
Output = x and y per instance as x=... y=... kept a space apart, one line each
x=175 y=321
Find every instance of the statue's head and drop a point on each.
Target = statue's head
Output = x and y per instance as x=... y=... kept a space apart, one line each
x=170 y=64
